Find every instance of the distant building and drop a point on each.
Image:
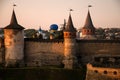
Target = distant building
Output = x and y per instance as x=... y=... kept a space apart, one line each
x=42 y=34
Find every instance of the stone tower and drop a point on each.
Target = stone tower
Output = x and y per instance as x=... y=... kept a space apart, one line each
x=14 y=43
x=88 y=31
x=69 y=45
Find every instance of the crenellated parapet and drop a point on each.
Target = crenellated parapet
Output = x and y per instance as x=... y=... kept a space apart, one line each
x=101 y=73
x=44 y=40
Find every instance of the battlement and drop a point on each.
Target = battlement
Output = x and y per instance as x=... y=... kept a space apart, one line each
x=112 y=61
x=44 y=40
x=101 y=73
x=78 y=41
x=97 y=41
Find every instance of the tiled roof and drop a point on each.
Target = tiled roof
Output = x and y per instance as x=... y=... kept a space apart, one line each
x=88 y=23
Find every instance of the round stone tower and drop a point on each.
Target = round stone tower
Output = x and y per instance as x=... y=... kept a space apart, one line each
x=69 y=45
x=14 y=43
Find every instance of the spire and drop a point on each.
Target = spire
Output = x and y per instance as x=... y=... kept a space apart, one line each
x=64 y=24
x=88 y=23
x=40 y=28
x=13 y=18
x=69 y=26
x=14 y=24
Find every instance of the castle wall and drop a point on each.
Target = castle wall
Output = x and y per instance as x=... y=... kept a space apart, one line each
x=87 y=49
x=51 y=52
x=42 y=53
x=100 y=73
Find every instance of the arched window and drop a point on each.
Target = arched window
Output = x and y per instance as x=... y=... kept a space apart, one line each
x=87 y=30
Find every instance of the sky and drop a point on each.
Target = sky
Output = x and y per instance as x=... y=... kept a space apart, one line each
x=35 y=13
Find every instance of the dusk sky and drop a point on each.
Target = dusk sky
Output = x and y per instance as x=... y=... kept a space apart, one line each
x=35 y=13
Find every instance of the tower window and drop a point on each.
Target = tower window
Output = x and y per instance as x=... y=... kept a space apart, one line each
x=66 y=34
x=95 y=71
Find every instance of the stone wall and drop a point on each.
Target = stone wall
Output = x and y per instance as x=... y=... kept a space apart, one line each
x=100 y=73
x=51 y=52
x=43 y=52
x=87 y=49
x=14 y=47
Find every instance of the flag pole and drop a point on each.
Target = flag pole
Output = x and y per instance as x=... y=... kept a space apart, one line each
x=89 y=6
x=14 y=5
x=70 y=10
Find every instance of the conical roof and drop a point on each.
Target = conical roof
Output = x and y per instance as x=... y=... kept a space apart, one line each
x=14 y=24
x=64 y=24
x=40 y=28
x=69 y=26
x=88 y=23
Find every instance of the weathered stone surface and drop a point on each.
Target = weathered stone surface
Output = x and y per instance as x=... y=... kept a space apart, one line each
x=44 y=53
x=87 y=49
x=70 y=59
x=52 y=53
x=70 y=62
x=14 y=63
x=100 y=73
x=14 y=45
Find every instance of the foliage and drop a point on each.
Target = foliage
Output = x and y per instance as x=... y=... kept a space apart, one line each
x=42 y=74
x=29 y=33
x=99 y=31
x=1 y=31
